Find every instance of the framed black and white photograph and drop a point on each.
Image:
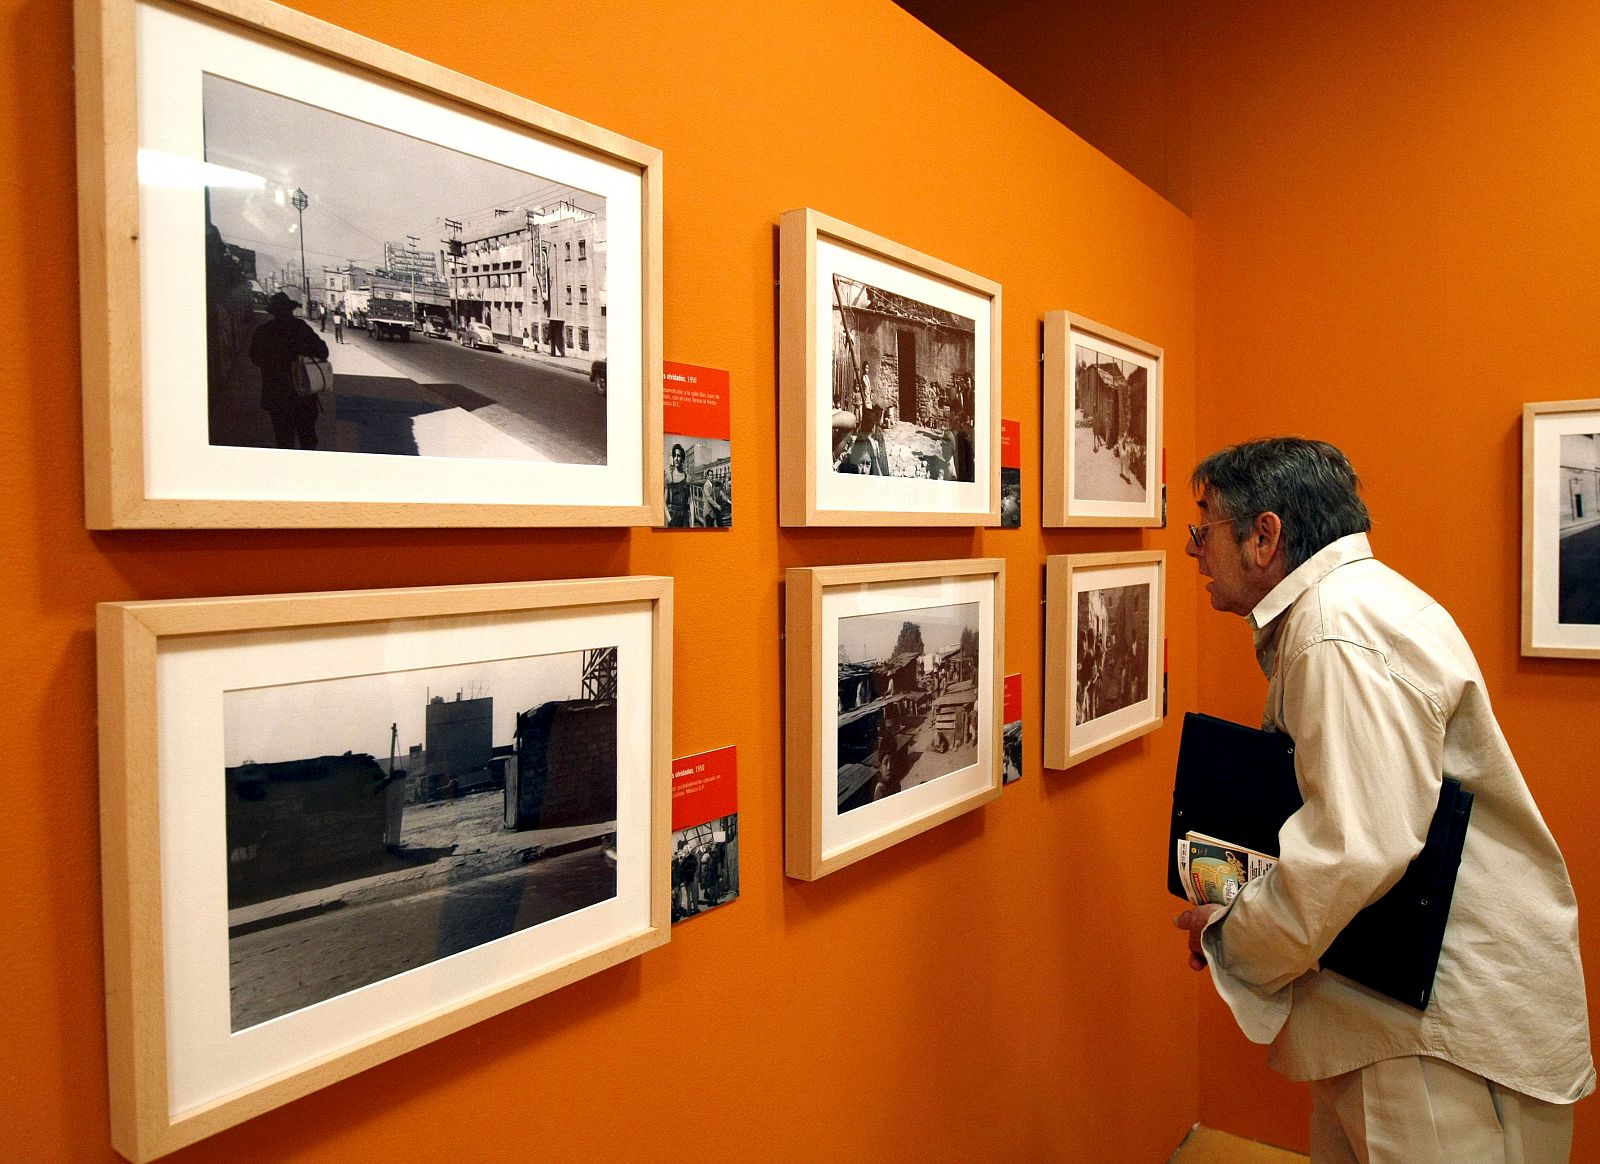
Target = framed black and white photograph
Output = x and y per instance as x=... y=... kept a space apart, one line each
x=894 y=704
x=472 y=279
x=1561 y=529
x=890 y=367
x=1104 y=652
x=1102 y=454
x=367 y=820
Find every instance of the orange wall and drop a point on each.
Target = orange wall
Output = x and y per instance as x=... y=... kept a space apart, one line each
x=1117 y=74
x=1396 y=247
x=1006 y=986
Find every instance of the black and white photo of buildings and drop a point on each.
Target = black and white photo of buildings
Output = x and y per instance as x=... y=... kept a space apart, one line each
x=902 y=386
x=378 y=823
x=1112 y=651
x=908 y=700
x=1111 y=398
x=462 y=303
x=1579 y=585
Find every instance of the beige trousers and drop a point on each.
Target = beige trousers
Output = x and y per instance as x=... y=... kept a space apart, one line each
x=1420 y=1110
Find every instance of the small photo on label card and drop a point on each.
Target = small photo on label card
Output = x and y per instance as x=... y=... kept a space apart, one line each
x=705 y=832
x=697 y=452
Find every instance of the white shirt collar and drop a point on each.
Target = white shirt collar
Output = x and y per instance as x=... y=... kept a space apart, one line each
x=1350 y=548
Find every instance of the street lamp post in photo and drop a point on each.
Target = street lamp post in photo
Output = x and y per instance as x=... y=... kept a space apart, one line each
x=300 y=202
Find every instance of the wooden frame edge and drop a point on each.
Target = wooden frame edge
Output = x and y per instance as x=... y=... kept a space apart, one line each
x=1059 y=327
x=803 y=692
x=1059 y=754
x=803 y=812
x=798 y=233
x=128 y=639
x=115 y=483
x=1530 y=414
x=797 y=387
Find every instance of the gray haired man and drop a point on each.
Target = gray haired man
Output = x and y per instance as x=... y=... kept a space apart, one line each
x=1383 y=698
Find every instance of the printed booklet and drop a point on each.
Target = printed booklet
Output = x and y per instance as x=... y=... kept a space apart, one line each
x=1214 y=871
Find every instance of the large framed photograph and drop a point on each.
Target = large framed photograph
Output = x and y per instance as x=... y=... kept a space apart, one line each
x=1561 y=529
x=889 y=371
x=1102 y=425
x=326 y=283
x=893 y=717
x=1104 y=678
x=335 y=827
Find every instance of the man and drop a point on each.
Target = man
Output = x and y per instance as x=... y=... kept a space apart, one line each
x=273 y=349
x=1383 y=698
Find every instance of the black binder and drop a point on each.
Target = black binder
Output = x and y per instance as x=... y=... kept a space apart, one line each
x=1237 y=784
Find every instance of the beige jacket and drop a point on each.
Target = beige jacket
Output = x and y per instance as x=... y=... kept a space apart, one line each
x=1383 y=698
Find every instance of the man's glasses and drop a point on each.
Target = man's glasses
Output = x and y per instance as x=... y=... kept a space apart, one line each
x=1200 y=532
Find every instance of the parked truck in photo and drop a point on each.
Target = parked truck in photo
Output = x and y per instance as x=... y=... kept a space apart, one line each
x=391 y=318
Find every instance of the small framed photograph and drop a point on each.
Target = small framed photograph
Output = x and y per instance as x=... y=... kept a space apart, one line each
x=335 y=827
x=1561 y=529
x=1102 y=425
x=889 y=370
x=1104 y=675
x=327 y=283
x=894 y=714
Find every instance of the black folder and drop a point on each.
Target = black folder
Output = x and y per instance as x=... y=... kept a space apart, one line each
x=1237 y=784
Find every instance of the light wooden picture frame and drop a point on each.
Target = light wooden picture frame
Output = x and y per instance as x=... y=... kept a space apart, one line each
x=1105 y=652
x=485 y=274
x=1102 y=425
x=889 y=382
x=338 y=826
x=894 y=712
x=1561 y=529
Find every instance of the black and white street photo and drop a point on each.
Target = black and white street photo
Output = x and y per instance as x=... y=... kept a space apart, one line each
x=461 y=303
x=903 y=403
x=1010 y=498
x=908 y=699
x=1111 y=403
x=1579 y=585
x=1112 y=650
x=699 y=482
x=380 y=822
x=705 y=866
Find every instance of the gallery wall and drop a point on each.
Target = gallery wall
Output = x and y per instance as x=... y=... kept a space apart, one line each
x=1006 y=986
x=1396 y=248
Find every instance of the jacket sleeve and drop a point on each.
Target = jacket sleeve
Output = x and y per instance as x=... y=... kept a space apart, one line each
x=1369 y=752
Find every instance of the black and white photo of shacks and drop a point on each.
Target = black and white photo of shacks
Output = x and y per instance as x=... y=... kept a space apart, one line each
x=1579 y=585
x=1113 y=650
x=902 y=386
x=381 y=822
x=1111 y=398
x=462 y=303
x=908 y=699
x=705 y=866
x=699 y=482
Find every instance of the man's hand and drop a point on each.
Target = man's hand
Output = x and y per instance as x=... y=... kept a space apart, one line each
x=1194 y=920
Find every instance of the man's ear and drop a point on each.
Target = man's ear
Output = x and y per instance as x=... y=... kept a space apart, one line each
x=1266 y=539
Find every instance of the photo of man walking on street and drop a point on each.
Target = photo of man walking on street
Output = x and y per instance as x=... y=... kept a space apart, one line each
x=273 y=349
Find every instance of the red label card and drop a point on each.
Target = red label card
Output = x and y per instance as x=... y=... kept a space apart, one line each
x=705 y=787
x=1010 y=444
x=695 y=402
x=1013 y=698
